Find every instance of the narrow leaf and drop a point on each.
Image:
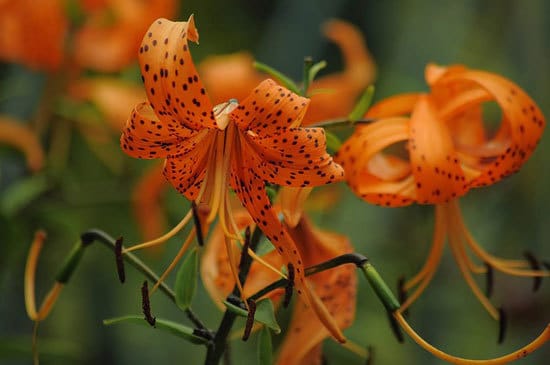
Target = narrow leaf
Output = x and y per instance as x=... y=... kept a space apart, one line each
x=314 y=70
x=163 y=325
x=362 y=105
x=20 y=194
x=265 y=348
x=283 y=79
x=265 y=313
x=186 y=280
x=333 y=142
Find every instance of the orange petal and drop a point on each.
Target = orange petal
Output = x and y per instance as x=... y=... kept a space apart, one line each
x=375 y=177
x=171 y=81
x=269 y=109
x=436 y=167
x=292 y=203
x=145 y=136
x=336 y=287
x=394 y=106
x=294 y=157
x=521 y=128
x=20 y=136
x=251 y=192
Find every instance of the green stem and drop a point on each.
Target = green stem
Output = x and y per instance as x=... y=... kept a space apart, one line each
x=96 y=235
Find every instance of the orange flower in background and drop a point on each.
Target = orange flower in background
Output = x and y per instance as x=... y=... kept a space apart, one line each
x=113 y=29
x=17 y=134
x=208 y=149
x=336 y=287
x=233 y=76
x=33 y=32
x=449 y=152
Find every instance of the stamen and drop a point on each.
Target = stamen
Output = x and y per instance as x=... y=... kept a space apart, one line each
x=289 y=288
x=163 y=238
x=30 y=272
x=176 y=259
x=518 y=354
x=119 y=260
x=249 y=319
x=266 y=264
x=535 y=265
x=49 y=301
x=246 y=245
x=233 y=265
x=395 y=328
x=365 y=354
x=146 y=305
x=198 y=225
x=502 y=325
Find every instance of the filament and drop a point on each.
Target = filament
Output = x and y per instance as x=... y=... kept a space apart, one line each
x=163 y=238
x=518 y=354
x=265 y=263
x=30 y=272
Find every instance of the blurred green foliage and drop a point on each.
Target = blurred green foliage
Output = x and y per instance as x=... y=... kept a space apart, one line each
x=506 y=37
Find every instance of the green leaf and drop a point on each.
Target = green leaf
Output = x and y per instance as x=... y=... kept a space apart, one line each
x=265 y=313
x=265 y=348
x=283 y=79
x=362 y=105
x=314 y=70
x=186 y=280
x=333 y=142
x=162 y=324
x=20 y=194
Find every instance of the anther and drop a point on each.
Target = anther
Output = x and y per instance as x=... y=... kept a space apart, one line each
x=502 y=324
x=249 y=319
x=370 y=357
x=489 y=280
x=402 y=293
x=198 y=225
x=119 y=260
x=546 y=265
x=289 y=288
x=395 y=328
x=535 y=265
x=246 y=245
x=146 y=305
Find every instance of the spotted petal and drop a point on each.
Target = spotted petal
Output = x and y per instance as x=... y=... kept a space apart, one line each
x=171 y=81
x=269 y=109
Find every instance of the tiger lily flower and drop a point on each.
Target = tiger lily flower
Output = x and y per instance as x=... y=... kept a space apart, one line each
x=208 y=149
x=449 y=153
x=233 y=76
x=336 y=287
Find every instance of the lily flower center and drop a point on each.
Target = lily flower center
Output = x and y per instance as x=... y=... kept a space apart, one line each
x=214 y=190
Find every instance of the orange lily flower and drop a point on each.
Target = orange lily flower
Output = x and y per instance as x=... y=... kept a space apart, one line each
x=449 y=153
x=208 y=149
x=32 y=34
x=335 y=287
x=233 y=76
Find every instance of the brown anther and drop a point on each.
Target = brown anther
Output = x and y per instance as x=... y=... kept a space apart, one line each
x=289 y=288
x=249 y=319
x=535 y=265
x=246 y=245
x=395 y=328
x=146 y=305
x=197 y=218
x=402 y=293
x=119 y=260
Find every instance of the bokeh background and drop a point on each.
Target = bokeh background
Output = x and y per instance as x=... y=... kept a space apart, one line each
x=80 y=190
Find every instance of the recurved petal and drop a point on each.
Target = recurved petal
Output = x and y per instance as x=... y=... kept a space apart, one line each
x=185 y=170
x=145 y=136
x=521 y=128
x=435 y=164
x=269 y=109
x=372 y=175
x=251 y=192
x=336 y=288
x=394 y=106
x=294 y=157
x=171 y=81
